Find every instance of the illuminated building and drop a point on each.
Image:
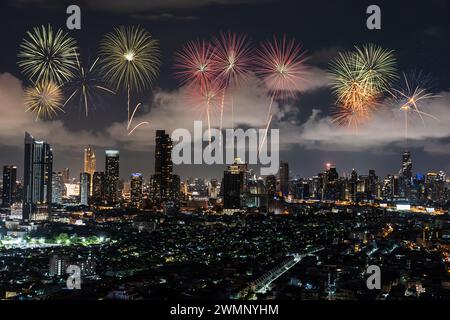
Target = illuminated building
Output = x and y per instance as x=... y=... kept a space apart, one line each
x=99 y=187
x=234 y=186
x=89 y=165
x=57 y=187
x=112 y=175
x=37 y=178
x=9 y=185
x=136 y=190
x=165 y=187
x=284 y=178
x=65 y=175
x=85 y=187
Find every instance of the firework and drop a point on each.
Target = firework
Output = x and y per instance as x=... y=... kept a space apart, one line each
x=194 y=64
x=411 y=92
x=232 y=61
x=358 y=80
x=281 y=65
x=86 y=84
x=44 y=99
x=195 y=68
x=130 y=60
x=48 y=56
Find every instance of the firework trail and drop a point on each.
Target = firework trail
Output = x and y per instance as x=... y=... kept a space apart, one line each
x=281 y=65
x=359 y=79
x=195 y=68
x=44 y=99
x=130 y=60
x=86 y=83
x=408 y=96
x=232 y=61
x=47 y=56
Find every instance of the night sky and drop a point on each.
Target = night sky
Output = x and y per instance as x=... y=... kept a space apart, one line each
x=418 y=32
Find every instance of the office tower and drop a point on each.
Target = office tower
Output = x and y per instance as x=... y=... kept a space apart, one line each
x=85 y=187
x=112 y=175
x=175 y=189
x=284 y=178
x=9 y=185
x=37 y=178
x=136 y=190
x=57 y=187
x=89 y=164
x=65 y=175
x=373 y=179
x=353 y=185
x=161 y=182
x=407 y=166
x=233 y=186
x=99 y=187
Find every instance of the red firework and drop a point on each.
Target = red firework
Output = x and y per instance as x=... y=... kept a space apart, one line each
x=194 y=64
x=232 y=58
x=281 y=65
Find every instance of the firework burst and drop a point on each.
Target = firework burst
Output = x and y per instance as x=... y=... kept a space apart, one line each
x=408 y=96
x=281 y=65
x=86 y=84
x=194 y=64
x=232 y=61
x=44 y=99
x=48 y=56
x=358 y=80
x=130 y=60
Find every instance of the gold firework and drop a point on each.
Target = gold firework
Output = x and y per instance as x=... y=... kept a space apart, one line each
x=48 y=56
x=44 y=99
x=130 y=58
x=358 y=80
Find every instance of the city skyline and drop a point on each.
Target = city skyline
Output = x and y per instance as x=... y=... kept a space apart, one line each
x=304 y=130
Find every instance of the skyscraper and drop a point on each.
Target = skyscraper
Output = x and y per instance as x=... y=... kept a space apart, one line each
x=233 y=186
x=65 y=175
x=136 y=190
x=99 y=187
x=37 y=177
x=85 y=182
x=57 y=187
x=162 y=180
x=9 y=185
x=89 y=164
x=406 y=175
x=284 y=178
x=112 y=175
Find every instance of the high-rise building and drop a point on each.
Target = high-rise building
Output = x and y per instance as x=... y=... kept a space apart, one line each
x=57 y=187
x=90 y=164
x=85 y=187
x=65 y=175
x=9 y=185
x=162 y=181
x=99 y=187
x=233 y=186
x=284 y=178
x=136 y=190
x=37 y=175
x=112 y=175
x=407 y=165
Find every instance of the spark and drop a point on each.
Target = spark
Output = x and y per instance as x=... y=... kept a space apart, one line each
x=48 y=56
x=86 y=84
x=44 y=99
